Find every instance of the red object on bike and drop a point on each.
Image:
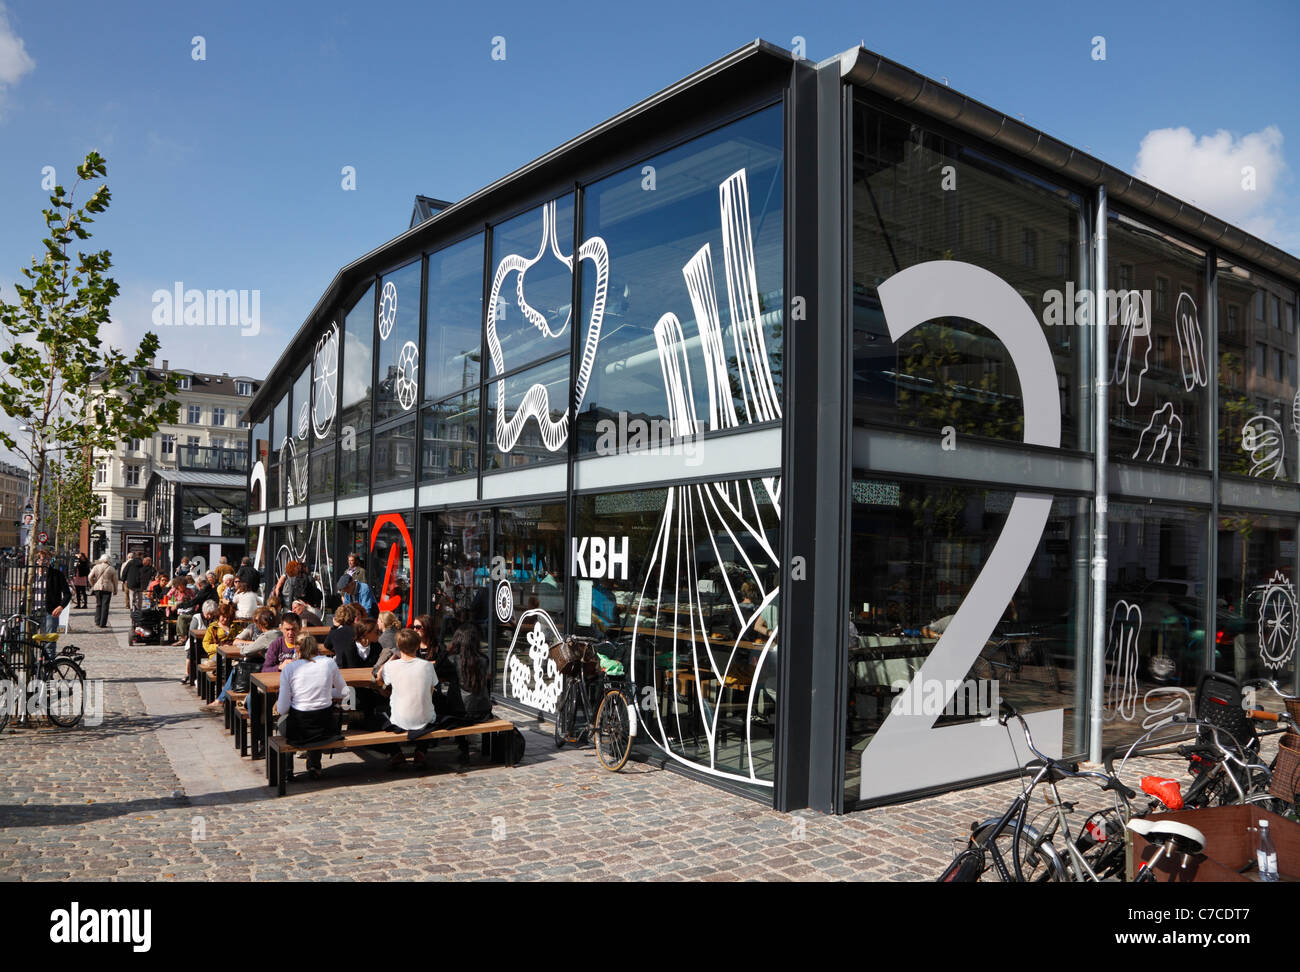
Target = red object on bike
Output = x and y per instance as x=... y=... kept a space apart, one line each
x=1165 y=790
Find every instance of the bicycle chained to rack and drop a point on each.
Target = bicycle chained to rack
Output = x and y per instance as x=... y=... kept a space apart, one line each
x=36 y=676
x=596 y=682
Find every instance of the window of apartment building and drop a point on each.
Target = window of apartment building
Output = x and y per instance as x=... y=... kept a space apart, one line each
x=1259 y=305
x=992 y=235
x=103 y=507
x=1029 y=247
x=1063 y=258
x=101 y=473
x=218 y=416
x=218 y=442
x=244 y=388
x=168 y=448
x=1290 y=368
x=1125 y=281
x=1261 y=360
x=132 y=475
x=1162 y=293
x=243 y=423
x=194 y=415
x=1232 y=319
x=183 y=382
x=132 y=445
x=1277 y=313
x=132 y=509
x=1277 y=365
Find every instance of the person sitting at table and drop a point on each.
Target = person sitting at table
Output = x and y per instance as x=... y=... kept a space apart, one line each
x=311 y=688
x=423 y=626
x=310 y=618
x=197 y=630
x=389 y=625
x=410 y=682
x=464 y=693
x=363 y=650
x=218 y=632
x=357 y=592
x=341 y=634
x=283 y=649
x=192 y=608
x=245 y=600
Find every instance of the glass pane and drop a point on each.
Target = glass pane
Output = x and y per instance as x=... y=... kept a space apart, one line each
x=917 y=550
x=1159 y=375
x=528 y=553
x=1155 y=590
x=1255 y=625
x=451 y=437
x=458 y=585
x=322 y=475
x=704 y=244
x=358 y=337
x=394 y=463
x=528 y=251
x=543 y=390
x=952 y=371
x=390 y=576
x=399 y=343
x=454 y=333
x=1259 y=408
x=354 y=465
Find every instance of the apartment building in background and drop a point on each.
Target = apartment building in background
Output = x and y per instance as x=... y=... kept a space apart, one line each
x=204 y=446
x=15 y=488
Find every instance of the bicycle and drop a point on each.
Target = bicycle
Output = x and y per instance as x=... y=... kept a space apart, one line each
x=1014 y=835
x=589 y=685
x=56 y=674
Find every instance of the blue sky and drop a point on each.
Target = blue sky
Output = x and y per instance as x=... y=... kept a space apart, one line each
x=226 y=172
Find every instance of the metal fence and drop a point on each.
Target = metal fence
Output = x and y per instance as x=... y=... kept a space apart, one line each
x=16 y=576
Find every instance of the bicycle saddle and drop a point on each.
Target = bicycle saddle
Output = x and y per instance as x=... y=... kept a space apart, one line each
x=1165 y=790
x=46 y=639
x=1187 y=839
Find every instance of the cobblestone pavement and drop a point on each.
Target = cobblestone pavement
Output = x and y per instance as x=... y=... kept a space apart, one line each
x=159 y=792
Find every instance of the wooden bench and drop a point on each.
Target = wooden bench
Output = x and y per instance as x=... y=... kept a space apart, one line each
x=281 y=764
x=237 y=719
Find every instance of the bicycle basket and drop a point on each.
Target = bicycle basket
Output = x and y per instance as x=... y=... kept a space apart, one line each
x=574 y=654
x=1286 y=773
x=1219 y=702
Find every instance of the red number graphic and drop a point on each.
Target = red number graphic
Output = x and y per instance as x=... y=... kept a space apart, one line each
x=387 y=600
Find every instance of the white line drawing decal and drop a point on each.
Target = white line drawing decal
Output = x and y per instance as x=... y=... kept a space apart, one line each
x=324 y=377
x=536 y=683
x=304 y=419
x=536 y=401
x=1191 y=348
x=1133 y=317
x=408 y=370
x=1176 y=699
x=505 y=602
x=1295 y=413
x=1122 y=662
x=257 y=479
x=1165 y=430
x=317 y=540
x=387 y=310
x=1262 y=437
x=1277 y=627
x=294 y=469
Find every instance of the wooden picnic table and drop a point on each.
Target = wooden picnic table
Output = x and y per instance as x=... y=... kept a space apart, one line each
x=263 y=689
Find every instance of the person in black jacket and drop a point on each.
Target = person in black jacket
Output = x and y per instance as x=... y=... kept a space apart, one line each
x=80 y=571
x=249 y=574
x=130 y=574
x=51 y=593
x=463 y=696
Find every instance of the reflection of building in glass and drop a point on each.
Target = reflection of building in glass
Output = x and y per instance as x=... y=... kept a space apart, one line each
x=877 y=468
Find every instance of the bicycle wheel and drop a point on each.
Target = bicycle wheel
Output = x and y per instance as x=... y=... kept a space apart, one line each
x=65 y=693
x=1039 y=860
x=613 y=731
x=564 y=713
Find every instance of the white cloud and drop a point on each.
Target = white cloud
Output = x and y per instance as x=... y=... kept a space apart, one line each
x=14 y=59
x=1211 y=172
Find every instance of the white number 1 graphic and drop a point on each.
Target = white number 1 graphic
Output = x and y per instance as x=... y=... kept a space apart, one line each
x=907 y=752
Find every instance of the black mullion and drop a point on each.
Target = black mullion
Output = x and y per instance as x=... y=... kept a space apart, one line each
x=571 y=447
x=417 y=465
x=485 y=296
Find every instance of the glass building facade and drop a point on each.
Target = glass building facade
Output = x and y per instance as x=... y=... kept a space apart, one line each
x=786 y=382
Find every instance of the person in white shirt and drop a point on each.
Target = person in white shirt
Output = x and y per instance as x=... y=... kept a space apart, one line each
x=410 y=681
x=311 y=688
x=246 y=601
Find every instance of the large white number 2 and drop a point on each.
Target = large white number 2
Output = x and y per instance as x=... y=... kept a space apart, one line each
x=907 y=752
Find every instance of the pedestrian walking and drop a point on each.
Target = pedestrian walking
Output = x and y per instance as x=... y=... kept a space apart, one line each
x=80 y=573
x=103 y=583
x=131 y=579
x=51 y=592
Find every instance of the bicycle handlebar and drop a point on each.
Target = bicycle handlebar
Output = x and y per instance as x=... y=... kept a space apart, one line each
x=1111 y=782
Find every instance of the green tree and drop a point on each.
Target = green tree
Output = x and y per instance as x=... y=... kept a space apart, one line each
x=55 y=351
x=71 y=480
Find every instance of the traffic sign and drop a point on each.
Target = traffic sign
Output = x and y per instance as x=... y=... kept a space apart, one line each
x=43 y=537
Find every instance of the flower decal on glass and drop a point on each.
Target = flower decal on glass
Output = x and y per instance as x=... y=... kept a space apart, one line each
x=536 y=400
x=408 y=372
x=1277 y=627
x=387 y=310
x=534 y=682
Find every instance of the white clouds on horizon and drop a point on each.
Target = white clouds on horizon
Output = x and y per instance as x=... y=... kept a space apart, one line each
x=1207 y=171
x=14 y=59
